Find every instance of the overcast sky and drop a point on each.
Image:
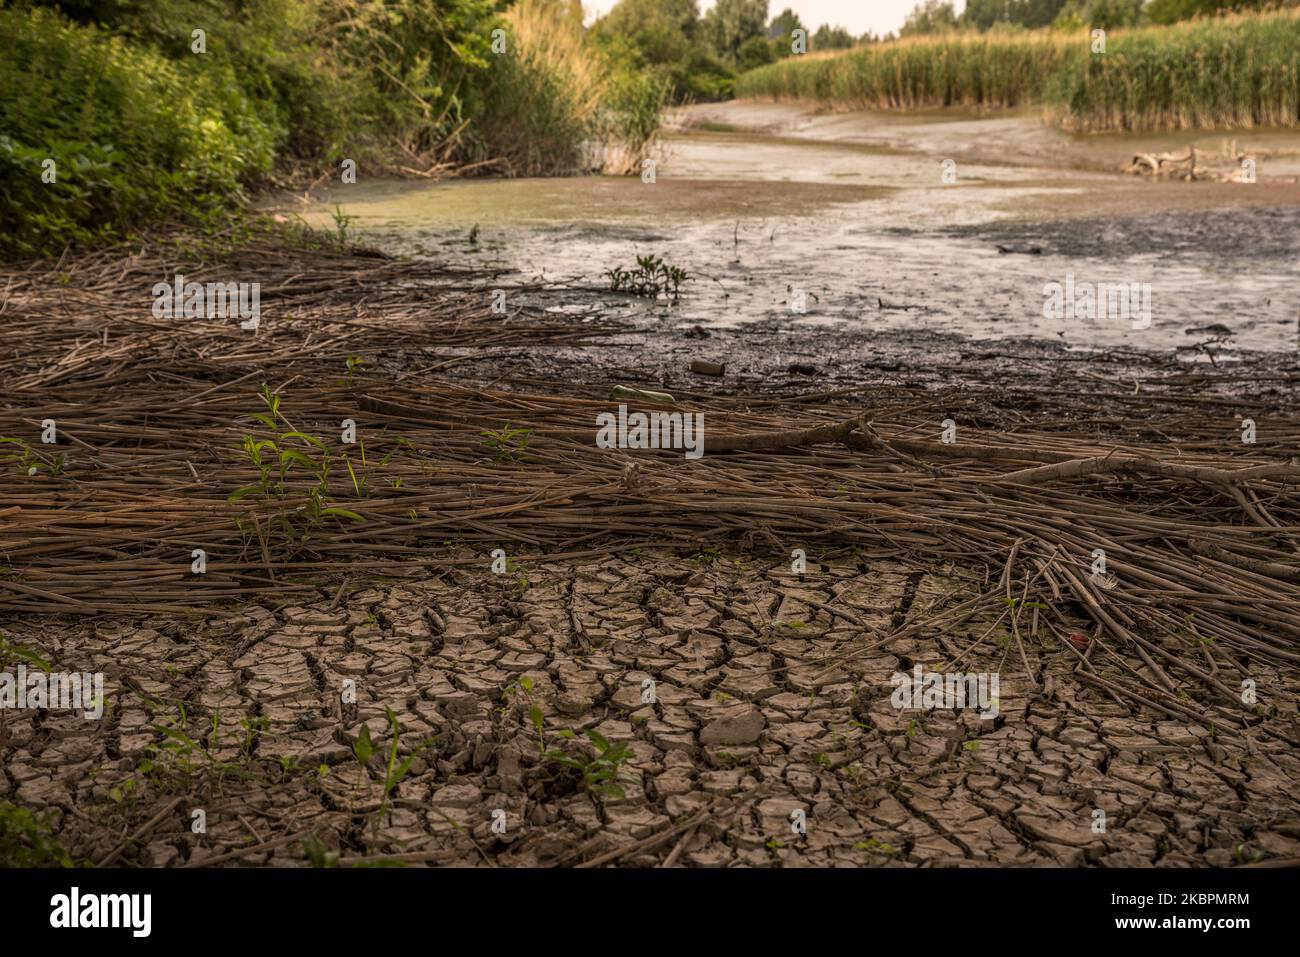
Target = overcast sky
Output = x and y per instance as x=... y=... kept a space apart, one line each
x=859 y=16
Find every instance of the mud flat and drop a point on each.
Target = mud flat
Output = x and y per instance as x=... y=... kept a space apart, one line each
x=769 y=206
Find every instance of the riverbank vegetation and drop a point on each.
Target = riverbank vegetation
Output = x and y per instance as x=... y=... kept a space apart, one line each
x=118 y=114
x=699 y=56
x=941 y=16
x=1235 y=71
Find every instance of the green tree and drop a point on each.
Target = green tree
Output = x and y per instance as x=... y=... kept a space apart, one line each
x=831 y=38
x=930 y=16
x=664 y=37
x=1106 y=14
x=731 y=22
x=983 y=14
x=755 y=52
x=1172 y=11
x=784 y=24
x=628 y=16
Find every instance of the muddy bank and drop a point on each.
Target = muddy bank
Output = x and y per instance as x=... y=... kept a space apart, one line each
x=845 y=221
x=999 y=139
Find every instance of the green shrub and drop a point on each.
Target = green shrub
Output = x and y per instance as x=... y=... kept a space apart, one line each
x=132 y=139
x=557 y=102
x=141 y=128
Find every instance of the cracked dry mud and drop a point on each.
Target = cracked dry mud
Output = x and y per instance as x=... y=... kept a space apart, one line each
x=750 y=722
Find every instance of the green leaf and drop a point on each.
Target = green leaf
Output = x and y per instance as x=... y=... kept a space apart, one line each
x=183 y=738
x=362 y=747
x=310 y=439
x=402 y=770
x=340 y=513
x=239 y=493
x=27 y=655
x=290 y=455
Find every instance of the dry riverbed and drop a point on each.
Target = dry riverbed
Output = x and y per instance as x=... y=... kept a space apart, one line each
x=733 y=695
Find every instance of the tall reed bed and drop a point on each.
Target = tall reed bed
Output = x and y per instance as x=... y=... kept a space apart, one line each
x=952 y=70
x=1235 y=72
x=556 y=104
x=1232 y=71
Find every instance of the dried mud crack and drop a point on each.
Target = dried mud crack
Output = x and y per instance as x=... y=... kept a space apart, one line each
x=741 y=732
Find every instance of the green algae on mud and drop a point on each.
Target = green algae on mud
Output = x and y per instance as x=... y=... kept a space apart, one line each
x=575 y=199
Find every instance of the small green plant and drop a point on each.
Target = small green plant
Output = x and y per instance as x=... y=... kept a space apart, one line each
x=601 y=772
x=520 y=694
x=11 y=654
x=341 y=223
x=28 y=461
x=123 y=791
x=650 y=279
x=274 y=460
x=317 y=854
x=253 y=729
x=363 y=749
x=508 y=444
x=1244 y=855
x=394 y=771
x=27 y=840
x=173 y=760
x=875 y=846
x=360 y=486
